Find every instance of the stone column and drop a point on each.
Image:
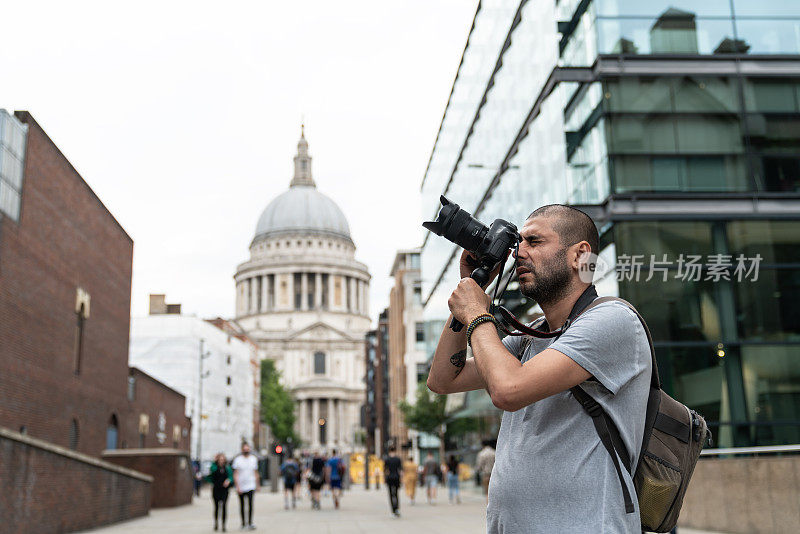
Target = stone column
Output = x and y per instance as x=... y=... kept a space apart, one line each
x=303 y=417
x=331 y=294
x=353 y=293
x=342 y=424
x=303 y=291
x=290 y=289
x=264 y=293
x=315 y=423
x=317 y=291
x=253 y=295
x=333 y=422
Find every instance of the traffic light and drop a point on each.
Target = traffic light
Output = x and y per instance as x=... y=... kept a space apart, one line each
x=278 y=449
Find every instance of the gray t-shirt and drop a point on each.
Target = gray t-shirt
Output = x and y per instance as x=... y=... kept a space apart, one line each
x=551 y=472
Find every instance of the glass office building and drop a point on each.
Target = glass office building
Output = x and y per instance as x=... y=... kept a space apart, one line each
x=676 y=126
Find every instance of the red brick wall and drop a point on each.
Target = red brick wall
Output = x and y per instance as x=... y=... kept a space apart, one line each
x=171 y=471
x=153 y=398
x=46 y=490
x=66 y=239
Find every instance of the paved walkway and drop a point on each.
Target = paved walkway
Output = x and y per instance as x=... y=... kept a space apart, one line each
x=362 y=511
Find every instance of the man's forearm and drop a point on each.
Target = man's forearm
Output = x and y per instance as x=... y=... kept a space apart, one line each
x=495 y=364
x=449 y=358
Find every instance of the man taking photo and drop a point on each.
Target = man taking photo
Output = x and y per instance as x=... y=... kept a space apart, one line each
x=551 y=472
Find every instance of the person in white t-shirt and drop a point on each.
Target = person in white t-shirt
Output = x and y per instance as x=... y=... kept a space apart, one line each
x=245 y=476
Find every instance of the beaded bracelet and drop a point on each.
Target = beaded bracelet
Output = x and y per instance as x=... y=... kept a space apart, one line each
x=480 y=319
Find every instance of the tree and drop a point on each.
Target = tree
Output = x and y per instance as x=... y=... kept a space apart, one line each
x=277 y=406
x=426 y=414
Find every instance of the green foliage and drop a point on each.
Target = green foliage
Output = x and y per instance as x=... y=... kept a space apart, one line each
x=277 y=406
x=427 y=413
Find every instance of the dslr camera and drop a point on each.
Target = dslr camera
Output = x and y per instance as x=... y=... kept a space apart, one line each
x=488 y=245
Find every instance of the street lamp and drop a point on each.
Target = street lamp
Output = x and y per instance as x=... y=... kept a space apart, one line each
x=203 y=376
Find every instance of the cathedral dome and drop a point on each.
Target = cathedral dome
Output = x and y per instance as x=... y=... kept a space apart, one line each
x=302 y=209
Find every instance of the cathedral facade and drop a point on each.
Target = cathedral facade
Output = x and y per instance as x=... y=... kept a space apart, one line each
x=304 y=299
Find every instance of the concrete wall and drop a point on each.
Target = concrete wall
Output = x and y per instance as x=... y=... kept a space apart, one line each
x=171 y=470
x=744 y=495
x=47 y=488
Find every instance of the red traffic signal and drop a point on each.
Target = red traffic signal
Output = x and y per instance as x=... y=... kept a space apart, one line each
x=278 y=449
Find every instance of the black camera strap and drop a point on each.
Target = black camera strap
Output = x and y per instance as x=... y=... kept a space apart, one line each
x=509 y=323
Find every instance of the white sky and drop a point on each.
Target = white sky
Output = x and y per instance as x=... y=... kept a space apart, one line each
x=184 y=118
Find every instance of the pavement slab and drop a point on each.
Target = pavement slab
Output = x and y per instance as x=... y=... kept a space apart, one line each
x=362 y=512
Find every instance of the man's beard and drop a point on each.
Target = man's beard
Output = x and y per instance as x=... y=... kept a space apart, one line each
x=551 y=282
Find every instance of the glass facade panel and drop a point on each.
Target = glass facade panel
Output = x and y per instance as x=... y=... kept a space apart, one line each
x=664 y=35
x=695 y=375
x=677 y=309
x=767 y=307
x=654 y=8
x=778 y=242
x=769 y=36
x=764 y=8
x=772 y=390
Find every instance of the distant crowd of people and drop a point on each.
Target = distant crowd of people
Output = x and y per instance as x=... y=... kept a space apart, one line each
x=327 y=473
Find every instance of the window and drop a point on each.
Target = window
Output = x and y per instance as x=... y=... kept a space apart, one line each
x=228 y=402
x=228 y=380
x=23 y=430
x=419 y=330
x=112 y=433
x=73 y=435
x=418 y=293
x=131 y=388
x=13 y=135
x=82 y=301
x=228 y=359
x=319 y=363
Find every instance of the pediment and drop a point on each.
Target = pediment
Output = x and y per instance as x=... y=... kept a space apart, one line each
x=319 y=331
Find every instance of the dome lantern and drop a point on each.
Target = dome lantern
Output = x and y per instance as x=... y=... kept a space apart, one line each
x=302 y=162
x=302 y=209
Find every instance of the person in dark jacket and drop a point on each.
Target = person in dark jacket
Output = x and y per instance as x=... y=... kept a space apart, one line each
x=221 y=477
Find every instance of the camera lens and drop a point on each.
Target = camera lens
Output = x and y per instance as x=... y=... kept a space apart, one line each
x=458 y=226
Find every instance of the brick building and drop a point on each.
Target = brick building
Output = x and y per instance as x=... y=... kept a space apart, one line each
x=65 y=286
x=407 y=358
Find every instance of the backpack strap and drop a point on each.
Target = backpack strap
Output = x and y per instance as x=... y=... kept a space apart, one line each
x=610 y=438
x=605 y=427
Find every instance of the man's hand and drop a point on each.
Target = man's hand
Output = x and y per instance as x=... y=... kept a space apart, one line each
x=468 y=301
x=468 y=263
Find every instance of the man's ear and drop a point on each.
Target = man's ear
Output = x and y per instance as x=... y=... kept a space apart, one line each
x=584 y=254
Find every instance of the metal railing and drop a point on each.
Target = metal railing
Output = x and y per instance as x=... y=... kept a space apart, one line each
x=769 y=449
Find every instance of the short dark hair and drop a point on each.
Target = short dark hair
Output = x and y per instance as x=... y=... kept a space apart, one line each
x=571 y=224
x=392 y=448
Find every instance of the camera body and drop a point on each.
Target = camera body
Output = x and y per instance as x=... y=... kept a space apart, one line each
x=488 y=245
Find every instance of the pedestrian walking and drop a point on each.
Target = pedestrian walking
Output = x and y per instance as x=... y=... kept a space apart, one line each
x=377 y=475
x=392 y=467
x=484 y=464
x=453 y=482
x=410 y=475
x=290 y=471
x=221 y=479
x=198 y=477
x=316 y=478
x=334 y=473
x=245 y=476
x=431 y=477
x=548 y=450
